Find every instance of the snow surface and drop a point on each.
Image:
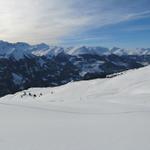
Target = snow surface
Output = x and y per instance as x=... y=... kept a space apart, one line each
x=107 y=114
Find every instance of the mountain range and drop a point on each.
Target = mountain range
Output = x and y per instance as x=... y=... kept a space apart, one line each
x=20 y=49
x=23 y=65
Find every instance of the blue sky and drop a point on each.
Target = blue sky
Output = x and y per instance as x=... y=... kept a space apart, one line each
x=122 y=23
x=128 y=34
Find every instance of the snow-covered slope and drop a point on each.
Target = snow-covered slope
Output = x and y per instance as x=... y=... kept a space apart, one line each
x=112 y=113
x=131 y=83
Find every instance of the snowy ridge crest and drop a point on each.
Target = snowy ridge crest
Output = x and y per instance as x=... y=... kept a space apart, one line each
x=20 y=49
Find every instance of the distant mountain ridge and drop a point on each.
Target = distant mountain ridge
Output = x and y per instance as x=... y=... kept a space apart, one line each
x=20 y=49
x=23 y=65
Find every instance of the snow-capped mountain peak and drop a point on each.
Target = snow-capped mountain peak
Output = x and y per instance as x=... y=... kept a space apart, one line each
x=137 y=51
x=15 y=50
x=83 y=50
x=20 y=49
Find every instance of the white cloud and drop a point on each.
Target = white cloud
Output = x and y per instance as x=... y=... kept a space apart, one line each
x=49 y=20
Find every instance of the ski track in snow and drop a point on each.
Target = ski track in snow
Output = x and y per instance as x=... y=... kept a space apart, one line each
x=69 y=111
